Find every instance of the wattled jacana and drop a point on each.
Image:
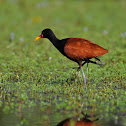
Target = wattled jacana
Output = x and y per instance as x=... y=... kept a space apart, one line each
x=76 y=49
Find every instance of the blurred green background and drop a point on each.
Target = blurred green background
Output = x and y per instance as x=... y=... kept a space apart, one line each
x=37 y=83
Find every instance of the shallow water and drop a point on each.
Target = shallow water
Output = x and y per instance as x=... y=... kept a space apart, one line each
x=49 y=109
x=34 y=117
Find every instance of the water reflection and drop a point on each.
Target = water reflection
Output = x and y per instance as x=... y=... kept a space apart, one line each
x=85 y=121
x=19 y=109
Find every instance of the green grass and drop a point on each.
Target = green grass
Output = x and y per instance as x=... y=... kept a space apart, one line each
x=28 y=75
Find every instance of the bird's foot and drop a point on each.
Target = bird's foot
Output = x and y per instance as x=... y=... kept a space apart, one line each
x=100 y=64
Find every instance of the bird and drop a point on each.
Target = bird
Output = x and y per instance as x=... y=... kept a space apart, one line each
x=79 y=50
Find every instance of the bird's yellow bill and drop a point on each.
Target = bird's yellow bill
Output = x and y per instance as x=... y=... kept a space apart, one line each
x=37 y=38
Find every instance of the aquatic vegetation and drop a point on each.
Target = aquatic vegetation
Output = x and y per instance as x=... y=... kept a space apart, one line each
x=37 y=84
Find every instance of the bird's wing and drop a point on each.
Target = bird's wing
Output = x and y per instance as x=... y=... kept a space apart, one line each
x=79 y=48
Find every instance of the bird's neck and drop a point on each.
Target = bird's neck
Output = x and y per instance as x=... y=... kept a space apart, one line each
x=54 y=40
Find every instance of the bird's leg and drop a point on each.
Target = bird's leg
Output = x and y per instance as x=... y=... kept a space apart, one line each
x=84 y=78
x=81 y=65
x=87 y=67
x=84 y=63
x=77 y=74
x=99 y=60
x=95 y=62
x=89 y=61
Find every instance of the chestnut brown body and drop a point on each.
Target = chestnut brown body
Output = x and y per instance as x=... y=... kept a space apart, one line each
x=79 y=49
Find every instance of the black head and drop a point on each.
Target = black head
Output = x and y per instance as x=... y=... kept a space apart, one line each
x=47 y=33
